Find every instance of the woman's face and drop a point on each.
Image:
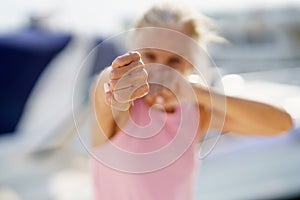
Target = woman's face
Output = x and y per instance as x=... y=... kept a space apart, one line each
x=165 y=53
x=163 y=67
x=169 y=59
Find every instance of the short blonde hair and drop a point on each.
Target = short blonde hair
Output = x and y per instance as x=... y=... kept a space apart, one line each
x=196 y=26
x=167 y=15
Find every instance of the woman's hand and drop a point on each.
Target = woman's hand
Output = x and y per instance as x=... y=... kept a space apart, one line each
x=127 y=81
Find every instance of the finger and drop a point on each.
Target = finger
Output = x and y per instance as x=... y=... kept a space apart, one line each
x=131 y=93
x=140 y=91
x=126 y=59
x=136 y=77
x=120 y=106
x=117 y=73
x=114 y=104
x=108 y=98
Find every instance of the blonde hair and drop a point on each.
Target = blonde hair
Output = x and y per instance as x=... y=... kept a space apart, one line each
x=191 y=23
x=173 y=16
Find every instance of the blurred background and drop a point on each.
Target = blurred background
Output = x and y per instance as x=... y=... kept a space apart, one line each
x=43 y=46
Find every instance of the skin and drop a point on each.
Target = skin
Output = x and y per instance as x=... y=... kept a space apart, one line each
x=127 y=75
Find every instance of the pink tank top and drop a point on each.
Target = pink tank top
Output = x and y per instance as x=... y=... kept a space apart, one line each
x=153 y=157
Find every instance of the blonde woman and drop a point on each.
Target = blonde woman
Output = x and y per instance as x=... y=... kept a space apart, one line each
x=160 y=123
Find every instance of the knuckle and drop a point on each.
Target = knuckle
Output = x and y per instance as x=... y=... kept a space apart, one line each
x=139 y=63
x=141 y=74
x=140 y=91
x=114 y=73
x=112 y=84
x=145 y=73
x=118 y=84
x=135 y=54
x=117 y=62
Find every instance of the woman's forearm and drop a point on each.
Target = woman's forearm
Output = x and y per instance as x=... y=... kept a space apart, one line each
x=246 y=116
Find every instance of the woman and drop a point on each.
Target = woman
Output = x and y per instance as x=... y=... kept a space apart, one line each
x=158 y=121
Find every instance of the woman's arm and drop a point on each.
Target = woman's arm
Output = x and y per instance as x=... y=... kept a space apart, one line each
x=125 y=80
x=103 y=124
x=242 y=116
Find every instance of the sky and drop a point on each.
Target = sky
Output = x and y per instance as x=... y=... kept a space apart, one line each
x=93 y=16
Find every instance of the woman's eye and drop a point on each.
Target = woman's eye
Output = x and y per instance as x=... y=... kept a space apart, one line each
x=149 y=56
x=174 y=60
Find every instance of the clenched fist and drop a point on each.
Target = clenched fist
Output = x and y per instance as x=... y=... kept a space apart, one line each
x=127 y=81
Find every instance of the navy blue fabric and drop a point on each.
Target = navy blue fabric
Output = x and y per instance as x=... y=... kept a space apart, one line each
x=106 y=52
x=23 y=56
